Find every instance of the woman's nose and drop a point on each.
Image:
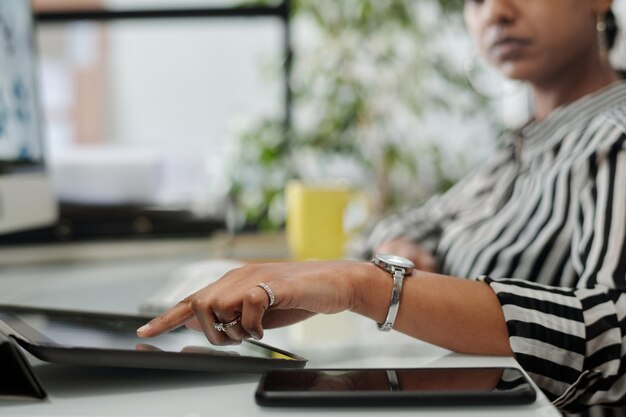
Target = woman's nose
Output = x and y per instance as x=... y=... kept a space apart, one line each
x=499 y=11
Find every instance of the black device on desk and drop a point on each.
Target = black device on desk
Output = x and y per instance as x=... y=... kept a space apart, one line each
x=17 y=380
x=96 y=339
x=395 y=387
x=26 y=197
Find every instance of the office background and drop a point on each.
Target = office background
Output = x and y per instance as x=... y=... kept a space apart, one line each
x=160 y=113
x=143 y=114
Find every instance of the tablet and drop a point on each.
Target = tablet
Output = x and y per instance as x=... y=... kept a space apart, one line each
x=395 y=387
x=96 y=339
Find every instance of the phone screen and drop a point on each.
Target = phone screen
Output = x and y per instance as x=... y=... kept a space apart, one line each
x=399 y=386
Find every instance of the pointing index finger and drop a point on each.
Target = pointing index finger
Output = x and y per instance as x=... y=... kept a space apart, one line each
x=170 y=320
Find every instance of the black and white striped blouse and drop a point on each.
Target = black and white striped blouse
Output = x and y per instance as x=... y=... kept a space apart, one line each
x=543 y=222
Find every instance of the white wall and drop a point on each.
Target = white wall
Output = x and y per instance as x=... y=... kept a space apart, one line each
x=176 y=92
x=185 y=84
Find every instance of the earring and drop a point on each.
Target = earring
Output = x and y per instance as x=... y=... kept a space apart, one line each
x=603 y=39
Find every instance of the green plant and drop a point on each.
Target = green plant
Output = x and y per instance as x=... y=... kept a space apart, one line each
x=365 y=79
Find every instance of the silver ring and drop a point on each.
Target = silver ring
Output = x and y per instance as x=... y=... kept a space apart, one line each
x=222 y=327
x=269 y=291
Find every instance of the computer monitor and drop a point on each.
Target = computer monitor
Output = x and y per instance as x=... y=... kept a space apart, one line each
x=26 y=197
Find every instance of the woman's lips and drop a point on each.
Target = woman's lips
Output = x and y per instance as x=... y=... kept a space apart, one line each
x=509 y=48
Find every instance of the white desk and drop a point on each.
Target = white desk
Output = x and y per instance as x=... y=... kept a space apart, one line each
x=120 y=286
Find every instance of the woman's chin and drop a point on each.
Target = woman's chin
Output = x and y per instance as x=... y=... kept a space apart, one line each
x=516 y=72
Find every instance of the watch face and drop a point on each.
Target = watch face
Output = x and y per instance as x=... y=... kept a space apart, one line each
x=396 y=261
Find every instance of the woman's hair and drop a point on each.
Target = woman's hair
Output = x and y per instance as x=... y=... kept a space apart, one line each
x=611 y=28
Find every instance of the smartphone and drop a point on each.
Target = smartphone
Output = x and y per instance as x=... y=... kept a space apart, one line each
x=395 y=387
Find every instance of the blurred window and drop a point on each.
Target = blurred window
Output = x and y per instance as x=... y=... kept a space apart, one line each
x=162 y=100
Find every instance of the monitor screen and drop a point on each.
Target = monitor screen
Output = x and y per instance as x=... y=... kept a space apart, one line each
x=20 y=127
x=26 y=198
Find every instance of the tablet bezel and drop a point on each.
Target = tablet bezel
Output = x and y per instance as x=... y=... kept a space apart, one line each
x=50 y=351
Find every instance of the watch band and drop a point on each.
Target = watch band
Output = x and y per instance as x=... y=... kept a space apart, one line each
x=399 y=268
x=394 y=303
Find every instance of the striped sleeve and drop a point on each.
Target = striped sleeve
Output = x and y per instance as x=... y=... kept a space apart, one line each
x=424 y=224
x=572 y=341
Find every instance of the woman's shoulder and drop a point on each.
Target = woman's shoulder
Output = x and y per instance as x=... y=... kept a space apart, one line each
x=602 y=115
x=612 y=104
x=611 y=129
x=604 y=136
x=615 y=116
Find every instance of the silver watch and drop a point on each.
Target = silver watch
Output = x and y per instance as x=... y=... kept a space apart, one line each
x=399 y=268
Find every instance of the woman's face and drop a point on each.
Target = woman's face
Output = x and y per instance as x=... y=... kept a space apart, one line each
x=535 y=40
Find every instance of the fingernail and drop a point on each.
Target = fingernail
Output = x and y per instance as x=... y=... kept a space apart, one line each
x=255 y=336
x=143 y=328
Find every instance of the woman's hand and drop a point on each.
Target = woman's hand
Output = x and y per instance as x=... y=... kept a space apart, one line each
x=423 y=259
x=457 y=314
x=300 y=289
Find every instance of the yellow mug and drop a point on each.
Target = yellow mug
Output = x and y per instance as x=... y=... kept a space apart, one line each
x=316 y=224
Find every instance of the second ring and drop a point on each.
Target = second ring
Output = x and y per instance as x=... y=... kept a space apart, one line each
x=269 y=291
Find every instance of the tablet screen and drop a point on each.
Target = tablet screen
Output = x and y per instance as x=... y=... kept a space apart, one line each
x=395 y=387
x=468 y=380
x=118 y=333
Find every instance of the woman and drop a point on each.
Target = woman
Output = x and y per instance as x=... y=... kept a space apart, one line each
x=547 y=210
